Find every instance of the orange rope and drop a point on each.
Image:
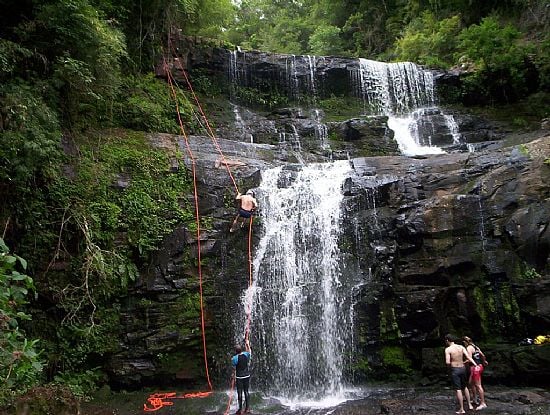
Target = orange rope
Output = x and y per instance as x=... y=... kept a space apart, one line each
x=197 y=219
x=159 y=400
x=209 y=129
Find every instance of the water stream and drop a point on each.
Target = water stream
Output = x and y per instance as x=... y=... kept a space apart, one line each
x=302 y=307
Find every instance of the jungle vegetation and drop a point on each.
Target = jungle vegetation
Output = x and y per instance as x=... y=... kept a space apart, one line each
x=77 y=93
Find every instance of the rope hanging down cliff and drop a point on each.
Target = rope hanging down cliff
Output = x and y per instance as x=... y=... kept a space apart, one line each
x=158 y=400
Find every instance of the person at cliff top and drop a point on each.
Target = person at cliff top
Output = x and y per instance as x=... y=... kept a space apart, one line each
x=246 y=209
x=475 y=373
x=454 y=358
x=241 y=362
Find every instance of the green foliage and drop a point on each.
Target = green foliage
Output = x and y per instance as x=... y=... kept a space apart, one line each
x=30 y=135
x=116 y=227
x=20 y=361
x=146 y=104
x=389 y=329
x=490 y=45
x=363 y=367
x=146 y=24
x=541 y=60
x=283 y=27
x=260 y=97
x=498 y=309
x=148 y=205
x=395 y=360
x=81 y=384
x=325 y=40
x=205 y=85
x=84 y=51
x=500 y=59
x=429 y=41
x=11 y=54
x=338 y=108
x=526 y=272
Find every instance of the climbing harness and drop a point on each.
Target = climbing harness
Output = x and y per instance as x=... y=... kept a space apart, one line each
x=157 y=401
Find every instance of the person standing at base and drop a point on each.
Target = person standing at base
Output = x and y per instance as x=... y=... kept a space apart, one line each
x=475 y=372
x=454 y=358
x=241 y=363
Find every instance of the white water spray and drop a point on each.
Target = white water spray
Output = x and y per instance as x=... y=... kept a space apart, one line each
x=301 y=320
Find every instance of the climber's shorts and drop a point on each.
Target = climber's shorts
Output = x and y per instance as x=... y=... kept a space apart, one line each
x=245 y=213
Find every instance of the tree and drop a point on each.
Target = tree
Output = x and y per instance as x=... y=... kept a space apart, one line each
x=501 y=59
x=429 y=41
x=325 y=40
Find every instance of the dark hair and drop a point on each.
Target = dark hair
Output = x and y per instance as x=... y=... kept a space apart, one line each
x=449 y=338
x=238 y=349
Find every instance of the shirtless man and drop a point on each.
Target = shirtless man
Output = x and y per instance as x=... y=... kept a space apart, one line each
x=454 y=358
x=247 y=208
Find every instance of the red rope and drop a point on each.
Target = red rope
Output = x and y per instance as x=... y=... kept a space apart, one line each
x=162 y=399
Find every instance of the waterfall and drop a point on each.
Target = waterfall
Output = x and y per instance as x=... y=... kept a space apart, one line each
x=292 y=77
x=241 y=126
x=311 y=80
x=301 y=306
x=404 y=92
x=237 y=69
x=321 y=130
x=392 y=88
x=406 y=136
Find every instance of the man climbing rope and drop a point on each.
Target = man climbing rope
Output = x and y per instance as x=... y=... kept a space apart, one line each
x=247 y=208
x=241 y=362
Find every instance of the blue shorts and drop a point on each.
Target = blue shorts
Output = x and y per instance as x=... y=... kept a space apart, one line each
x=245 y=213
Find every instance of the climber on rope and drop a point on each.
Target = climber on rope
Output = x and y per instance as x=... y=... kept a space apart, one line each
x=246 y=210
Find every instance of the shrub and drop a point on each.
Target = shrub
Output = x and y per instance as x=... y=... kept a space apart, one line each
x=21 y=366
x=146 y=104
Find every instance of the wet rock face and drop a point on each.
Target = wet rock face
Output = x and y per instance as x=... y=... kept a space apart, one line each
x=452 y=243
x=468 y=237
x=365 y=136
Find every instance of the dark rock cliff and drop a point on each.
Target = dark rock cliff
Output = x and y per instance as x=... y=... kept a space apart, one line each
x=454 y=243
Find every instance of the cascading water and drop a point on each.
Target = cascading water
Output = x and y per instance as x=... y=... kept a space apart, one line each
x=400 y=91
x=392 y=88
x=453 y=127
x=300 y=304
x=240 y=125
x=406 y=137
